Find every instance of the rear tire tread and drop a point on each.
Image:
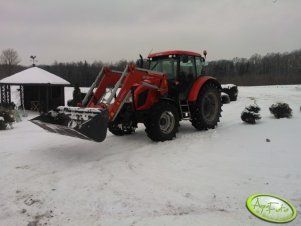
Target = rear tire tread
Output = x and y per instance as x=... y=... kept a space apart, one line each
x=197 y=118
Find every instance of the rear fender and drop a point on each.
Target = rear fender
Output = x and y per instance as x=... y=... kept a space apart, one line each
x=198 y=85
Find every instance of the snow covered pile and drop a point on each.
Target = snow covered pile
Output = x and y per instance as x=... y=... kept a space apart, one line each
x=7 y=115
x=228 y=86
x=250 y=114
x=253 y=108
x=225 y=98
x=231 y=90
x=281 y=110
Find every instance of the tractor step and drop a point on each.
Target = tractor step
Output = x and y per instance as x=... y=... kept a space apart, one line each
x=84 y=123
x=185 y=110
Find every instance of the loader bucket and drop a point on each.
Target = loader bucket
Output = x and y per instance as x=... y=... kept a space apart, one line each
x=75 y=122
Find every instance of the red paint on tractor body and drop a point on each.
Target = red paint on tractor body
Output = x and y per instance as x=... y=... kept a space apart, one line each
x=197 y=86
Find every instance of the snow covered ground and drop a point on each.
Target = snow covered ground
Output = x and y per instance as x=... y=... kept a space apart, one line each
x=200 y=178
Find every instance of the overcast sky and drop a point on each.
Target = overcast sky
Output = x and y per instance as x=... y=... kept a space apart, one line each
x=110 y=30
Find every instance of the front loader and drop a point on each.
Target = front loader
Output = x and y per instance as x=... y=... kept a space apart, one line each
x=173 y=88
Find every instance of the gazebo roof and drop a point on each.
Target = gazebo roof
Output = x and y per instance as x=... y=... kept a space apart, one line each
x=34 y=75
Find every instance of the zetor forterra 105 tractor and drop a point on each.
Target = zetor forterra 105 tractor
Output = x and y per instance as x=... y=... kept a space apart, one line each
x=173 y=88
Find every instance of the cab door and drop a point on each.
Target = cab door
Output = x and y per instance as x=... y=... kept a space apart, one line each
x=200 y=63
x=186 y=76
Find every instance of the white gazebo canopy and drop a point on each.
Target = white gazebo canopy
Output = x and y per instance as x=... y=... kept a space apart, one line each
x=34 y=75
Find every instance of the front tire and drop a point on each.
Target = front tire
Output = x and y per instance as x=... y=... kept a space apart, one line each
x=163 y=122
x=206 y=111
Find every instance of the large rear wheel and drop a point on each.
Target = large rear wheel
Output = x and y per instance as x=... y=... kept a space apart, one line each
x=163 y=122
x=206 y=111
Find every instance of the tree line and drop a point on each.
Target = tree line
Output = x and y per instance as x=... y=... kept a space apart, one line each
x=82 y=73
x=270 y=69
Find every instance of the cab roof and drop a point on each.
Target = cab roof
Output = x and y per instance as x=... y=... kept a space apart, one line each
x=173 y=52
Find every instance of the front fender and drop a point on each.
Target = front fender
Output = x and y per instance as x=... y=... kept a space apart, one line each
x=197 y=86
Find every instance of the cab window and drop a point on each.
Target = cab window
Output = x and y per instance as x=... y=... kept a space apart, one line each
x=167 y=66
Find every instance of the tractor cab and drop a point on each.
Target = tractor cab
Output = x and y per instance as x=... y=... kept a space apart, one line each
x=181 y=67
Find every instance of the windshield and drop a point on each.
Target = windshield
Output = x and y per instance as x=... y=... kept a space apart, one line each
x=167 y=66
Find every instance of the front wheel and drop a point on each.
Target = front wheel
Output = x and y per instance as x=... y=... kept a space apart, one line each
x=163 y=122
x=206 y=111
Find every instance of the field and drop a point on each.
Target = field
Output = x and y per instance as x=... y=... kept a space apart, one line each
x=199 y=178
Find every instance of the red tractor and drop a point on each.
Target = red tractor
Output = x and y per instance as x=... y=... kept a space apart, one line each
x=173 y=88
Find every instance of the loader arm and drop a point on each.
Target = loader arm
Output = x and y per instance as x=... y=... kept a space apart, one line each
x=130 y=78
x=109 y=79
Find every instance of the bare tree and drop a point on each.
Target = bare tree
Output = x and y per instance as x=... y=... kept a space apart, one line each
x=9 y=60
x=10 y=57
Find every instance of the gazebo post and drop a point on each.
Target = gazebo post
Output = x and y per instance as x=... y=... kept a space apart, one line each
x=1 y=93
x=39 y=99
x=5 y=93
x=50 y=94
x=21 y=90
x=62 y=95
x=8 y=94
x=47 y=98
x=22 y=100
